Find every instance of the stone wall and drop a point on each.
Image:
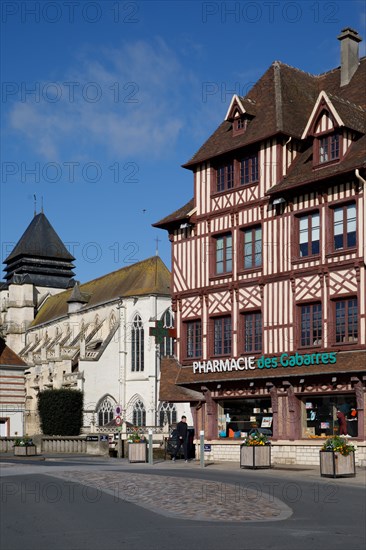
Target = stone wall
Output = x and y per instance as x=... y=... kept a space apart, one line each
x=6 y=444
x=65 y=445
x=72 y=445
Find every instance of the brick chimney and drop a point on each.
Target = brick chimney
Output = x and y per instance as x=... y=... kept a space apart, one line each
x=349 y=39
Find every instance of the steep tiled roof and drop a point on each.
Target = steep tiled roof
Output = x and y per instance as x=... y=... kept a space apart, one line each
x=149 y=276
x=353 y=92
x=179 y=215
x=353 y=115
x=168 y=391
x=283 y=100
x=8 y=357
x=303 y=172
x=276 y=98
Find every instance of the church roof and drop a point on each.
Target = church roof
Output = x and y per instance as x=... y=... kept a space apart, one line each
x=41 y=240
x=77 y=296
x=147 y=277
x=8 y=358
x=40 y=257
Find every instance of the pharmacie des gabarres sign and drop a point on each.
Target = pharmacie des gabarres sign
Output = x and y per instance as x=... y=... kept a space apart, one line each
x=251 y=363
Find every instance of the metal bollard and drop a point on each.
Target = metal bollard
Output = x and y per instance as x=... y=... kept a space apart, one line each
x=202 y=449
x=151 y=447
x=119 y=444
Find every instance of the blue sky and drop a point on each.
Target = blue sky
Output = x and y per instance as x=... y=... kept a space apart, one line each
x=103 y=101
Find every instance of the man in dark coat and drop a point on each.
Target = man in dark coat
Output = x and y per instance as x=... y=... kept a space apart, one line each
x=182 y=438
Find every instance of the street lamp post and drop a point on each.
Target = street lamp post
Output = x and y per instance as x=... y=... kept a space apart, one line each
x=121 y=366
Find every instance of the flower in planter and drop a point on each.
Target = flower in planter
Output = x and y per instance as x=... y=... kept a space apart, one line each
x=135 y=437
x=338 y=444
x=255 y=439
x=25 y=441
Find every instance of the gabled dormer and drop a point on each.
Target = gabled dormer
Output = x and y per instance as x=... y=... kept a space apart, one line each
x=324 y=126
x=238 y=116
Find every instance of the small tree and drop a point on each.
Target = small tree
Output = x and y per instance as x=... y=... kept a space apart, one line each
x=61 y=411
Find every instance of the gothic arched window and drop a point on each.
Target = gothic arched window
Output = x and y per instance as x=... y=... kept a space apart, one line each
x=139 y=414
x=105 y=412
x=137 y=344
x=167 y=413
x=167 y=345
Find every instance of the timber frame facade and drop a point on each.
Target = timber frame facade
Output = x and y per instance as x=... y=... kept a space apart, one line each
x=268 y=260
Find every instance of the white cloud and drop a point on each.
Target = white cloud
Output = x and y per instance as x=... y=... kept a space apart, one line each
x=142 y=88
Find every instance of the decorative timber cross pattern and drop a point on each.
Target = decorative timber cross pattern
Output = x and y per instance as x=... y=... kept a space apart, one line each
x=160 y=332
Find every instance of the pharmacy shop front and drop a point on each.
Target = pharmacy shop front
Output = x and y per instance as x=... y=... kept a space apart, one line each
x=297 y=400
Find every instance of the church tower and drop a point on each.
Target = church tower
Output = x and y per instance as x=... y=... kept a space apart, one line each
x=39 y=266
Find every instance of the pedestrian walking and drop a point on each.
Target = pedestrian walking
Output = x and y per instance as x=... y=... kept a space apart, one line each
x=182 y=438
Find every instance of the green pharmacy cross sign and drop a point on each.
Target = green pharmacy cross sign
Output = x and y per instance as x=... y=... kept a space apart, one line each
x=160 y=332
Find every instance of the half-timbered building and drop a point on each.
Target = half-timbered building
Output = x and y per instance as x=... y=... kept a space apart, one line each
x=268 y=265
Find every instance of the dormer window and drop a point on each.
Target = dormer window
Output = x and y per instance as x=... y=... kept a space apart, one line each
x=328 y=148
x=239 y=125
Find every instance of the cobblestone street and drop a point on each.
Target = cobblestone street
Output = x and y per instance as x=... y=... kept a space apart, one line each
x=185 y=498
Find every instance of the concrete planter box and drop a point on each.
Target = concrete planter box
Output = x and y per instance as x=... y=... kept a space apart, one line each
x=137 y=452
x=256 y=456
x=25 y=450
x=333 y=464
x=94 y=446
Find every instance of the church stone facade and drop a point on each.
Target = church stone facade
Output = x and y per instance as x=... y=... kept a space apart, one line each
x=94 y=337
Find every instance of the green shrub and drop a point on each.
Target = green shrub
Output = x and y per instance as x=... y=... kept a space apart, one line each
x=61 y=411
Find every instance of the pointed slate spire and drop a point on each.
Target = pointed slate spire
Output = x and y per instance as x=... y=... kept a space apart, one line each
x=41 y=255
x=40 y=239
x=77 y=298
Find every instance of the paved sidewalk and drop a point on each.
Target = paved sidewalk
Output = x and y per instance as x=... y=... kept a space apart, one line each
x=298 y=471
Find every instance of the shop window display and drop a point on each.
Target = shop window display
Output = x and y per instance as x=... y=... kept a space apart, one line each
x=240 y=417
x=328 y=415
